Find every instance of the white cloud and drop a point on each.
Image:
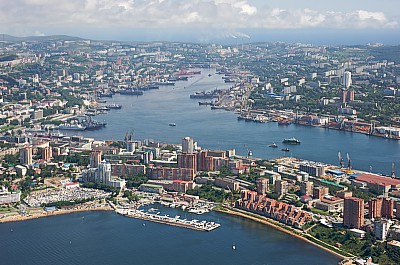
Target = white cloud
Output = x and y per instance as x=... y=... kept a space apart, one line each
x=30 y=15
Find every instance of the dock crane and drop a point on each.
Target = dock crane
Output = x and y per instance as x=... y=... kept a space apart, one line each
x=341 y=162
x=393 y=175
x=348 y=171
x=348 y=161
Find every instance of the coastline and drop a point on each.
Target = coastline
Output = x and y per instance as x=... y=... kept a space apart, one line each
x=19 y=217
x=351 y=131
x=277 y=225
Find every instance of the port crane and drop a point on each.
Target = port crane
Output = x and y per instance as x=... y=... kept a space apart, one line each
x=341 y=162
x=393 y=175
x=348 y=171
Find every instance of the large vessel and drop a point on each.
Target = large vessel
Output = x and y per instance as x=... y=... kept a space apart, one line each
x=291 y=141
x=131 y=91
x=284 y=122
x=205 y=95
x=92 y=124
x=114 y=106
x=165 y=83
x=74 y=127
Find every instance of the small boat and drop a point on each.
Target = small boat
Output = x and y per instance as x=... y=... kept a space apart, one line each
x=172 y=124
x=234 y=247
x=285 y=149
x=274 y=145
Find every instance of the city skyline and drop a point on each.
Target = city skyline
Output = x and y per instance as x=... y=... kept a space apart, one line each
x=202 y=20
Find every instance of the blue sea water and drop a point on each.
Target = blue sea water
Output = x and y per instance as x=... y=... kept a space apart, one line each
x=107 y=238
x=150 y=114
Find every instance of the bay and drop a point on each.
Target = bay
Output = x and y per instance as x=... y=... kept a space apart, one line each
x=150 y=114
x=107 y=238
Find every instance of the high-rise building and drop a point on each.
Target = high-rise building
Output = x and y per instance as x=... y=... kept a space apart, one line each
x=381 y=207
x=343 y=96
x=375 y=208
x=347 y=95
x=187 y=145
x=281 y=187
x=104 y=172
x=353 y=212
x=186 y=160
x=350 y=95
x=306 y=188
x=25 y=155
x=262 y=186
x=45 y=153
x=320 y=192
x=347 y=79
x=387 y=208
x=397 y=206
x=95 y=158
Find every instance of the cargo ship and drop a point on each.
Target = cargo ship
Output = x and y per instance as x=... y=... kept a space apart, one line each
x=131 y=91
x=165 y=83
x=204 y=95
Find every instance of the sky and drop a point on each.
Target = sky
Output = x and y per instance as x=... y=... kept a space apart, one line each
x=206 y=20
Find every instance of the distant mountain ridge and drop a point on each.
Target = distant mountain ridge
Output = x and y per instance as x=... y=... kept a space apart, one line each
x=10 y=38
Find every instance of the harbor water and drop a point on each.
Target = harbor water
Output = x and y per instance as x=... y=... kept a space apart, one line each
x=149 y=115
x=108 y=238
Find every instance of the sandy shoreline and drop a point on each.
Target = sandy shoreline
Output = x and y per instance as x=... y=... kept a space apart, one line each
x=18 y=217
x=274 y=224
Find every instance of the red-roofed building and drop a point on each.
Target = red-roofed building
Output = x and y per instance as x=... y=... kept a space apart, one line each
x=379 y=183
x=239 y=170
x=72 y=185
x=280 y=211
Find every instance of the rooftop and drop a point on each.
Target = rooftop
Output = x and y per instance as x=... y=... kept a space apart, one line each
x=376 y=179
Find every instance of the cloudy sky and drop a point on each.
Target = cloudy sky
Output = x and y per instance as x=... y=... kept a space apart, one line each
x=201 y=19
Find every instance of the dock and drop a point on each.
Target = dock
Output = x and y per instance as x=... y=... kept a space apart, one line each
x=174 y=221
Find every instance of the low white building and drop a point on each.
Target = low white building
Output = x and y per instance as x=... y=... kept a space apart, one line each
x=381 y=229
x=9 y=197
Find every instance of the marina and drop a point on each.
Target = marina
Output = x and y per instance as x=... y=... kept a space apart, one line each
x=165 y=219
